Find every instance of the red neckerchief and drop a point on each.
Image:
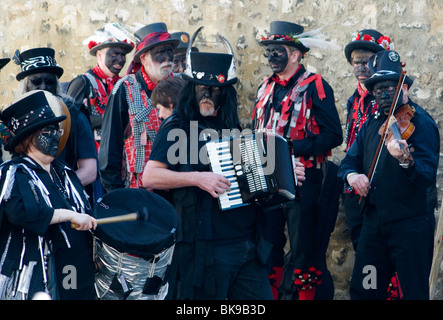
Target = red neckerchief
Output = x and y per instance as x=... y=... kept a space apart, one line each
x=151 y=85
x=110 y=81
x=284 y=83
x=358 y=116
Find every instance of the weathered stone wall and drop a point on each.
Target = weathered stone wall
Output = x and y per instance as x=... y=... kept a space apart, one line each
x=415 y=26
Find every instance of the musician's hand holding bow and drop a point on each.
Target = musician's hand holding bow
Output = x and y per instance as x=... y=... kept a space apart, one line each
x=299 y=172
x=214 y=183
x=359 y=182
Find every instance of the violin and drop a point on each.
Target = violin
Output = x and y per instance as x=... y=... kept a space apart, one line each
x=400 y=127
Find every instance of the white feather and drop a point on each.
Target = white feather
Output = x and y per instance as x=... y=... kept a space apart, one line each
x=118 y=31
x=110 y=31
x=309 y=33
x=318 y=43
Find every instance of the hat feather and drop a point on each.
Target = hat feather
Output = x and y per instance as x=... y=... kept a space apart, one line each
x=318 y=43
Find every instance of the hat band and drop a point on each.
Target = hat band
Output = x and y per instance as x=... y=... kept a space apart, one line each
x=153 y=38
x=383 y=41
x=92 y=43
x=382 y=73
x=38 y=62
x=41 y=113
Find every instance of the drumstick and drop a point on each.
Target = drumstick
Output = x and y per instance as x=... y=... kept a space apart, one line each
x=143 y=216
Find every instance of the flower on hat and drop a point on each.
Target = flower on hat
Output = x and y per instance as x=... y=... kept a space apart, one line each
x=385 y=42
x=92 y=44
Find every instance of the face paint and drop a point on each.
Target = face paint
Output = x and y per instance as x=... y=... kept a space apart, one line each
x=277 y=58
x=47 y=140
x=158 y=62
x=208 y=99
x=360 y=65
x=179 y=63
x=115 y=59
x=42 y=81
x=163 y=53
x=384 y=93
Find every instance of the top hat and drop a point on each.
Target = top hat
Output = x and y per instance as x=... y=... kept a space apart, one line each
x=4 y=62
x=150 y=36
x=184 y=40
x=33 y=111
x=285 y=33
x=37 y=60
x=385 y=65
x=367 y=39
x=209 y=68
x=111 y=35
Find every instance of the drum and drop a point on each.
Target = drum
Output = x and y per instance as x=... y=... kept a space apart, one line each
x=132 y=257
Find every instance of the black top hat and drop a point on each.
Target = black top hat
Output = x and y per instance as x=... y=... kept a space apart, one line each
x=285 y=33
x=385 y=65
x=150 y=36
x=32 y=112
x=184 y=40
x=210 y=69
x=37 y=60
x=4 y=62
x=367 y=39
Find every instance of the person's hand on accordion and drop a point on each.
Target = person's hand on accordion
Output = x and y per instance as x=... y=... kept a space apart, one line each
x=299 y=172
x=214 y=183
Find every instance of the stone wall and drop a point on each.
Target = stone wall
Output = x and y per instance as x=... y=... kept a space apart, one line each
x=415 y=26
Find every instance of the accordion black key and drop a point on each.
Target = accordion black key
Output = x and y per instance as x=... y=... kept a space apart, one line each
x=259 y=166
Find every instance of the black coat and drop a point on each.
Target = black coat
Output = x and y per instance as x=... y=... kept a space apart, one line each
x=396 y=192
x=25 y=215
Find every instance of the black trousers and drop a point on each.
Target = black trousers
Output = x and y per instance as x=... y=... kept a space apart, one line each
x=354 y=217
x=308 y=234
x=404 y=246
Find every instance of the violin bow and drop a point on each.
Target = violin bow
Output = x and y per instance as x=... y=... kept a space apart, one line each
x=382 y=140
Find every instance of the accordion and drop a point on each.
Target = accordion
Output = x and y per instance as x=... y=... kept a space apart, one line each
x=259 y=166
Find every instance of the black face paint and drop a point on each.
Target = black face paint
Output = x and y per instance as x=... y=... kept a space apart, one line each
x=115 y=59
x=42 y=81
x=179 y=63
x=277 y=57
x=384 y=93
x=208 y=99
x=163 y=53
x=360 y=65
x=47 y=140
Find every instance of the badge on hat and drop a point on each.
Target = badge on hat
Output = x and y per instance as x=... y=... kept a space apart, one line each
x=393 y=56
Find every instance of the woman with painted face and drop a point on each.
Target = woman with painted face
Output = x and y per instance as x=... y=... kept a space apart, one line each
x=40 y=198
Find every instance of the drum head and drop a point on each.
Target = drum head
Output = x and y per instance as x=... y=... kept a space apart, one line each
x=143 y=237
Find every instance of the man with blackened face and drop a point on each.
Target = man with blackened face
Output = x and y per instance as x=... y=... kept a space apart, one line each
x=131 y=121
x=395 y=177
x=110 y=45
x=360 y=106
x=299 y=106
